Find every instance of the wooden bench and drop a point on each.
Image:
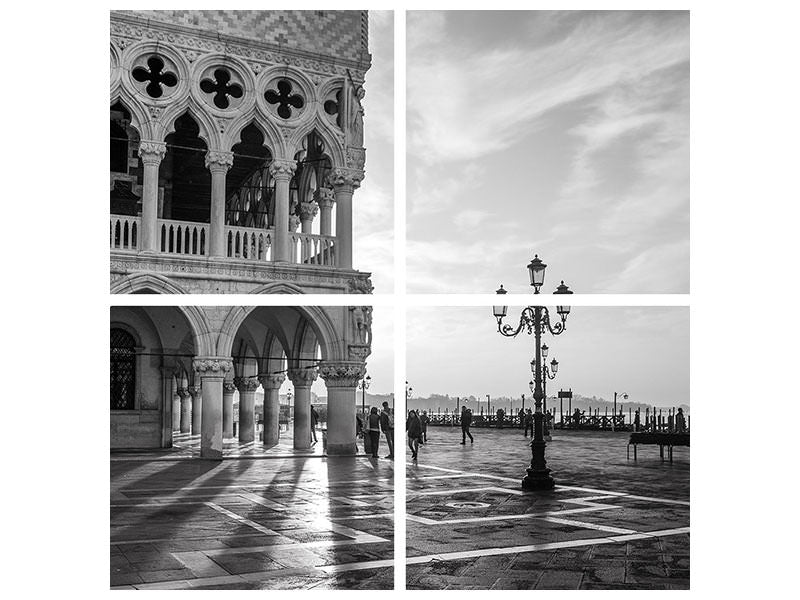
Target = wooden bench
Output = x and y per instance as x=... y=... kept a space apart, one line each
x=669 y=440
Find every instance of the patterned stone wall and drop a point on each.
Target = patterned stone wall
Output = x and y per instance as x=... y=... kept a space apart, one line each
x=335 y=33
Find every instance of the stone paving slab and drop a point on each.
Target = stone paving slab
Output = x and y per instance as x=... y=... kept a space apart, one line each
x=295 y=523
x=611 y=523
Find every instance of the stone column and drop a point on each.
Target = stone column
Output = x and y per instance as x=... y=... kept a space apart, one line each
x=212 y=371
x=302 y=380
x=151 y=153
x=324 y=198
x=344 y=182
x=247 y=387
x=341 y=379
x=218 y=163
x=176 y=409
x=186 y=410
x=197 y=408
x=272 y=408
x=282 y=171
x=308 y=210
x=228 y=388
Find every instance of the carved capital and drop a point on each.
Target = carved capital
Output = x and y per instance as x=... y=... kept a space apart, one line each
x=294 y=223
x=324 y=197
x=308 y=210
x=183 y=393
x=302 y=377
x=272 y=382
x=152 y=153
x=219 y=161
x=342 y=374
x=246 y=384
x=345 y=179
x=282 y=169
x=212 y=366
x=228 y=387
x=194 y=391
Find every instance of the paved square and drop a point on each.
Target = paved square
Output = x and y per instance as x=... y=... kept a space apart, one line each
x=252 y=523
x=609 y=524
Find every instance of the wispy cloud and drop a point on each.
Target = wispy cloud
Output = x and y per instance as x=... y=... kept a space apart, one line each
x=567 y=134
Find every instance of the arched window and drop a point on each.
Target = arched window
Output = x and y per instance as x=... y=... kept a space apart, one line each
x=123 y=370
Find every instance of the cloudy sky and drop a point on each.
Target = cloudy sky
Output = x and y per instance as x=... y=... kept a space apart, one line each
x=373 y=225
x=643 y=351
x=559 y=133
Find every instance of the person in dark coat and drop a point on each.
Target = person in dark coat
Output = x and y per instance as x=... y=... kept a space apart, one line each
x=424 y=419
x=374 y=430
x=466 y=421
x=387 y=425
x=414 y=429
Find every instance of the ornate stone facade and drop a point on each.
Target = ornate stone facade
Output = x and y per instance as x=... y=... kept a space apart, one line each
x=289 y=84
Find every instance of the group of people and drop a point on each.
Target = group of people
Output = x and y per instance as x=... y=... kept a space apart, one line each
x=375 y=423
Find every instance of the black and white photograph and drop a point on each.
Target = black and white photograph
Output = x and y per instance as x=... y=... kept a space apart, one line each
x=560 y=133
x=238 y=457
x=550 y=450
x=238 y=151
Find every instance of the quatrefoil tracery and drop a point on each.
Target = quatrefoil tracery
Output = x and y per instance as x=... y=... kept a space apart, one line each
x=156 y=75
x=284 y=98
x=221 y=87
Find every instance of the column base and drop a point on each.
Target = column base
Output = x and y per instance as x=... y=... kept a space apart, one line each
x=342 y=449
x=538 y=480
x=211 y=454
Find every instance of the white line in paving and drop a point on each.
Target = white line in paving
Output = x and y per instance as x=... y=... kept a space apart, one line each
x=263 y=501
x=586 y=525
x=179 y=489
x=350 y=501
x=569 y=511
x=416 y=560
x=563 y=488
x=240 y=519
x=464 y=490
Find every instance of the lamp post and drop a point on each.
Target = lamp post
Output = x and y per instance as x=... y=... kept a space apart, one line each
x=535 y=320
x=547 y=373
x=409 y=391
x=614 y=416
x=364 y=386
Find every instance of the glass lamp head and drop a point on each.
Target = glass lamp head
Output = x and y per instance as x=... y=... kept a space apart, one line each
x=500 y=311
x=536 y=272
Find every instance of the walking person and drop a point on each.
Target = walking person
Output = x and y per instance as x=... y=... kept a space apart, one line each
x=414 y=429
x=636 y=420
x=680 y=422
x=466 y=421
x=374 y=430
x=521 y=415
x=424 y=419
x=314 y=421
x=387 y=425
x=528 y=422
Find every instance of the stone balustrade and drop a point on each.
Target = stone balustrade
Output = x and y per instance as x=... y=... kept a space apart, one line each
x=183 y=237
x=241 y=243
x=125 y=232
x=312 y=249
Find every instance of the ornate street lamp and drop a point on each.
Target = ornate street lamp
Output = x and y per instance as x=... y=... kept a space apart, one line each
x=364 y=386
x=548 y=373
x=614 y=416
x=535 y=320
